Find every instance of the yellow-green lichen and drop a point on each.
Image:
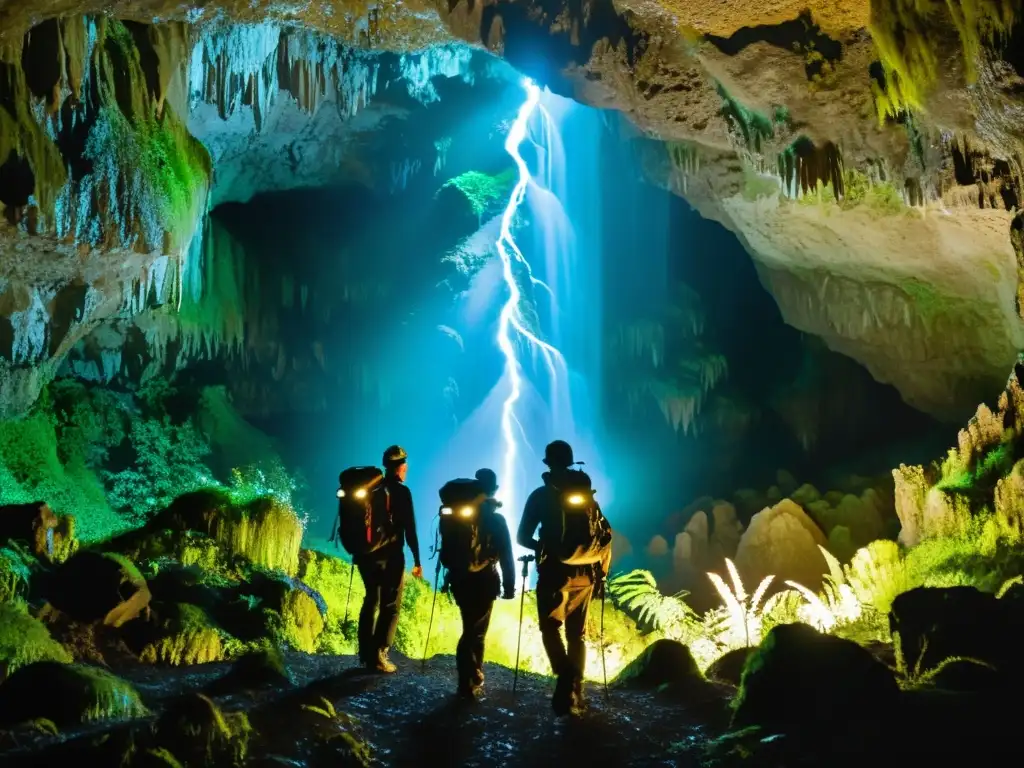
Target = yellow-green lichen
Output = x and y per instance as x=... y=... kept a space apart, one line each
x=190 y=638
x=25 y=640
x=303 y=623
x=909 y=37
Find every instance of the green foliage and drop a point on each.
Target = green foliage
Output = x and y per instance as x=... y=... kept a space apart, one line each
x=25 y=640
x=662 y=360
x=909 y=36
x=189 y=636
x=752 y=128
x=16 y=569
x=483 y=190
x=881 y=198
x=956 y=476
x=756 y=186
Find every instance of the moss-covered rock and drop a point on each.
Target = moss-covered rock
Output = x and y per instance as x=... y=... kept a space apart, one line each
x=264 y=668
x=25 y=640
x=199 y=733
x=98 y=587
x=303 y=621
x=663 y=663
x=803 y=683
x=210 y=529
x=187 y=635
x=67 y=695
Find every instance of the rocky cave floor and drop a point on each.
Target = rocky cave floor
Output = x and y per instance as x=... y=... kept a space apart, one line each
x=410 y=718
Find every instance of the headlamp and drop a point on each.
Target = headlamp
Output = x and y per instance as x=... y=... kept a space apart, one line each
x=341 y=493
x=446 y=510
x=361 y=493
x=466 y=511
x=576 y=499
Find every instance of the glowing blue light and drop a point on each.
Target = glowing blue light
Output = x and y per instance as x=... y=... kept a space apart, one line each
x=511 y=315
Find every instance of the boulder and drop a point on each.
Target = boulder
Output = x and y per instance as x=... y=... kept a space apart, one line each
x=936 y=624
x=786 y=481
x=67 y=695
x=815 y=687
x=805 y=494
x=782 y=542
x=728 y=668
x=98 y=587
x=726 y=531
x=621 y=548
x=657 y=547
x=663 y=662
x=257 y=670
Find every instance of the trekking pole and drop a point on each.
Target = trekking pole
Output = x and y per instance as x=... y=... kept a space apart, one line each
x=348 y=599
x=430 y=624
x=525 y=560
x=604 y=665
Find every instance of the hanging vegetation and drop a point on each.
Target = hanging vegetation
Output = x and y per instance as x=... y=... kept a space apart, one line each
x=909 y=37
x=662 y=361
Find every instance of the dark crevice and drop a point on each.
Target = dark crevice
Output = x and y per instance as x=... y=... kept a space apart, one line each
x=68 y=307
x=41 y=59
x=6 y=338
x=121 y=77
x=1012 y=47
x=963 y=167
x=801 y=36
x=148 y=59
x=17 y=181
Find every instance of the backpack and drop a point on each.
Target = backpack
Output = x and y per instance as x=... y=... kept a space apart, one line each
x=581 y=534
x=363 y=525
x=463 y=543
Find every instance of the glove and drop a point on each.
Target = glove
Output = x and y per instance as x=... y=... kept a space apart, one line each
x=509 y=593
x=417 y=572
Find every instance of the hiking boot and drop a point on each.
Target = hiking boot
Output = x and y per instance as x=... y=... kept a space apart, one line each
x=478 y=678
x=579 y=703
x=466 y=690
x=562 y=701
x=384 y=664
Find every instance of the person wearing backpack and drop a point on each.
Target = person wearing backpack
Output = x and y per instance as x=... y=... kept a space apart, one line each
x=382 y=568
x=573 y=551
x=474 y=539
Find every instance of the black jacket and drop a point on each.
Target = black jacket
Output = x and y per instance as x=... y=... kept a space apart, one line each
x=501 y=541
x=397 y=500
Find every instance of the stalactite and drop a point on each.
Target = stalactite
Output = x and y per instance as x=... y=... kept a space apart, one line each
x=803 y=165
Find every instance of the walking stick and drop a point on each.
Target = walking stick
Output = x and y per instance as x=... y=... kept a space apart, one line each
x=430 y=624
x=348 y=599
x=604 y=665
x=525 y=560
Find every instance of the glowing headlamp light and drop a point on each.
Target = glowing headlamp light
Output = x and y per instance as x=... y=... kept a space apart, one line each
x=446 y=510
x=466 y=511
x=359 y=494
x=576 y=499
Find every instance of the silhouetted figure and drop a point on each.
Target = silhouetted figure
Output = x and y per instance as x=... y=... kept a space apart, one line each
x=383 y=571
x=573 y=557
x=474 y=539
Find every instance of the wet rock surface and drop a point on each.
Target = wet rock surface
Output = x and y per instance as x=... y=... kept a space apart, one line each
x=411 y=718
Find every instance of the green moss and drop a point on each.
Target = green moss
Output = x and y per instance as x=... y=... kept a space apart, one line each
x=25 y=640
x=67 y=695
x=483 y=190
x=983 y=476
x=16 y=568
x=31 y=470
x=909 y=36
x=191 y=637
x=266 y=532
x=754 y=128
x=881 y=198
x=756 y=186
x=303 y=623
x=926 y=299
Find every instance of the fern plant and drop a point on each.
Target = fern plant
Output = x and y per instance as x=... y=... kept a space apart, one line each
x=743 y=618
x=637 y=594
x=838 y=603
x=913 y=677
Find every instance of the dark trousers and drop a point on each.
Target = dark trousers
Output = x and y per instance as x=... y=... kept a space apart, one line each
x=565 y=601
x=384 y=579
x=474 y=593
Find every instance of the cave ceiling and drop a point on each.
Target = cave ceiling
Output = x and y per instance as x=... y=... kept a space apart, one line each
x=866 y=153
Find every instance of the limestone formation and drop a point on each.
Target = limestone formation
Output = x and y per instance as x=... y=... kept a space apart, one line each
x=782 y=541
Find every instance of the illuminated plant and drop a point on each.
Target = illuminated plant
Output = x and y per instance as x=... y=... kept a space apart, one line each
x=743 y=612
x=837 y=604
x=637 y=594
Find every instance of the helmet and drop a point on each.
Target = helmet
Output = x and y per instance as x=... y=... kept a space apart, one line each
x=558 y=455
x=394 y=456
x=488 y=480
